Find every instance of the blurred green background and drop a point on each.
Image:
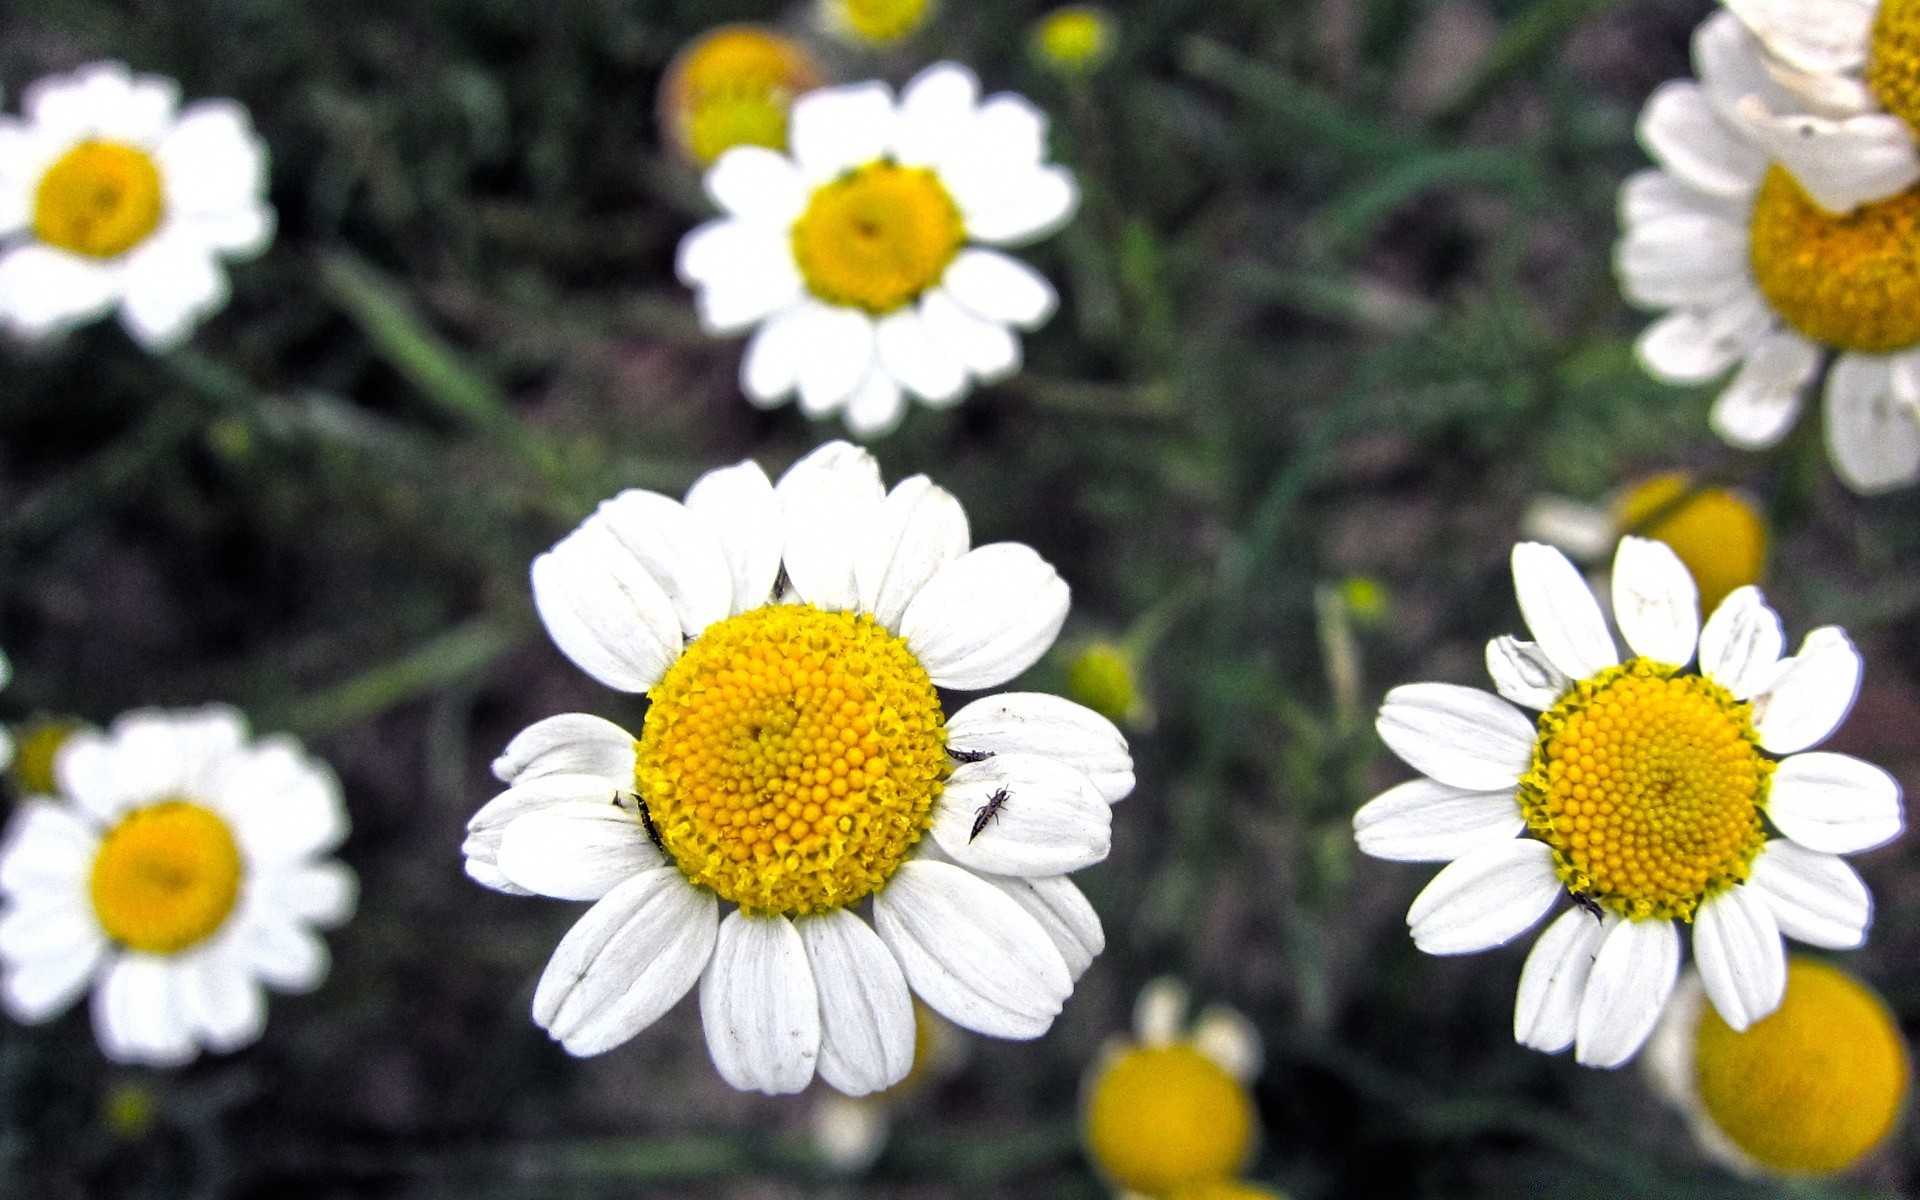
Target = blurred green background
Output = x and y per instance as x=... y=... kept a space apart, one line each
x=1338 y=303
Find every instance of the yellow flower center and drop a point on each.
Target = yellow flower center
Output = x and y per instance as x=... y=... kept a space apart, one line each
x=1076 y=38
x=1648 y=784
x=1893 y=62
x=734 y=87
x=1163 y=1117
x=791 y=758
x=1226 y=1189
x=1720 y=537
x=1101 y=677
x=101 y=200
x=884 y=20
x=1851 y=282
x=1813 y=1087
x=166 y=877
x=877 y=237
x=33 y=756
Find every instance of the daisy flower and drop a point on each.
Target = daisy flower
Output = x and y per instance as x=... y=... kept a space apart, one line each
x=1810 y=1090
x=796 y=763
x=1169 y=1113
x=862 y=260
x=112 y=197
x=873 y=24
x=1653 y=796
x=733 y=86
x=180 y=868
x=1755 y=271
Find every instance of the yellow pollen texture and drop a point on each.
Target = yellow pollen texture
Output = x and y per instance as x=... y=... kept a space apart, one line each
x=166 y=877
x=1160 y=1118
x=877 y=237
x=1648 y=785
x=1851 y=282
x=1893 y=62
x=791 y=758
x=884 y=20
x=1719 y=535
x=1813 y=1087
x=734 y=87
x=101 y=200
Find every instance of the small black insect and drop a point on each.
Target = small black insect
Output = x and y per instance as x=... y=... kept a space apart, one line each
x=987 y=812
x=646 y=819
x=968 y=756
x=1590 y=904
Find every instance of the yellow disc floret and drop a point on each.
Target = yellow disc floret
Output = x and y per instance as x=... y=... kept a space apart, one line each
x=877 y=237
x=1718 y=534
x=100 y=200
x=1848 y=281
x=791 y=758
x=879 y=21
x=1648 y=786
x=734 y=87
x=1164 y=1117
x=166 y=877
x=1814 y=1086
x=1893 y=63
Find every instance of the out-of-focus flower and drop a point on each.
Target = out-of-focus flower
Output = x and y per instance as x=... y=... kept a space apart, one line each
x=1104 y=675
x=1367 y=600
x=1074 y=40
x=114 y=198
x=872 y=24
x=850 y=1132
x=180 y=868
x=795 y=761
x=1753 y=269
x=1718 y=533
x=1810 y=1090
x=862 y=261
x=1169 y=1111
x=1226 y=1189
x=129 y=1108
x=35 y=747
x=734 y=86
x=1641 y=788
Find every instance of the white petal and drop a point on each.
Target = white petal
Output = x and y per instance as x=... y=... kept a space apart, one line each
x=1044 y=200
x=1743 y=965
x=44 y=290
x=770 y=368
x=1681 y=130
x=743 y=514
x=1829 y=36
x=970 y=952
x=1632 y=977
x=1460 y=736
x=1049 y=819
x=763 y=283
x=222 y=999
x=759 y=1008
x=323 y=894
x=576 y=851
x=1523 y=674
x=986 y=616
x=989 y=350
x=284 y=953
x=1840 y=162
x=1424 y=821
x=212 y=160
x=1741 y=644
x=1654 y=194
x=1655 y=601
x=1001 y=288
x=172 y=282
x=678 y=549
x=839 y=354
x=720 y=250
x=1873 y=438
x=757 y=185
x=1039 y=723
x=909 y=354
x=49 y=847
x=569 y=744
x=1810 y=694
x=104 y=99
x=835 y=129
x=1231 y=1041
x=139 y=1013
x=877 y=406
x=1689 y=259
x=1835 y=803
x=488 y=826
x=626 y=962
x=1816 y=898
x=1546 y=1008
x=1698 y=345
x=45 y=986
x=605 y=611
x=936 y=109
x=1063 y=912
x=1585 y=531
x=1760 y=405
x=284 y=805
x=1160 y=1012
x=1485 y=898
x=866 y=1012
x=918 y=529
x=1561 y=611
x=47 y=923
x=826 y=499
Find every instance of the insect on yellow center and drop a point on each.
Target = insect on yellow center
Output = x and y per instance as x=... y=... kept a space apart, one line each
x=791 y=758
x=166 y=877
x=1893 y=61
x=100 y=200
x=883 y=20
x=1162 y=1117
x=1718 y=534
x=1648 y=786
x=1848 y=281
x=1813 y=1087
x=734 y=87
x=877 y=237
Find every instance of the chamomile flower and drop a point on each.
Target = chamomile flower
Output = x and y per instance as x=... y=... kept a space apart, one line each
x=1654 y=796
x=863 y=261
x=1169 y=1112
x=795 y=764
x=734 y=86
x=1757 y=273
x=1075 y=40
x=180 y=868
x=1810 y=1090
x=874 y=24
x=113 y=198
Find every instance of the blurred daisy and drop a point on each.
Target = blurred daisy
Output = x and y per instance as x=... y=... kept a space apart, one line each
x=862 y=262
x=1225 y=1189
x=795 y=762
x=35 y=746
x=1105 y=675
x=179 y=869
x=1075 y=40
x=1718 y=533
x=851 y=1131
x=114 y=198
x=1759 y=275
x=1168 y=1113
x=7 y=747
x=734 y=86
x=1810 y=1090
x=1646 y=792
x=872 y=24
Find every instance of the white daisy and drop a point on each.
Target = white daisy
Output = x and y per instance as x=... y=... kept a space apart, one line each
x=114 y=198
x=1729 y=236
x=861 y=258
x=181 y=868
x=1655 y=797
x=795 y=761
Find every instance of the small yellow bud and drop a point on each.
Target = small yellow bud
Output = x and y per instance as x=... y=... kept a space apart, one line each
x=1075 y=40
x=1101 y=676
x=733 y=86
x=36 y=745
